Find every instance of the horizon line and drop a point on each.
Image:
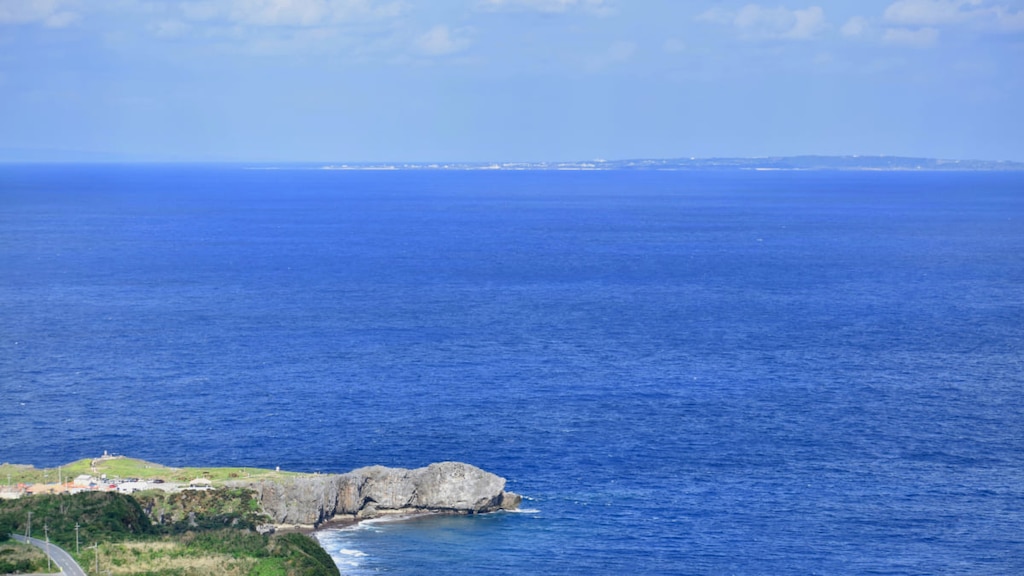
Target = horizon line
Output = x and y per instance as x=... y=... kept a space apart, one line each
x=497 y=164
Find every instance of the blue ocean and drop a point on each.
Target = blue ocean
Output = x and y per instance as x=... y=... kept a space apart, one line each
x=704 y=372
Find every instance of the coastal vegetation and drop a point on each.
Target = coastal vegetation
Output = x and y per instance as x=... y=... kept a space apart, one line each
x=158 y=534
x=18 y=558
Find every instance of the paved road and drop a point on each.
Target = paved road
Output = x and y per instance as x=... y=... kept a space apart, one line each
x=60 y=557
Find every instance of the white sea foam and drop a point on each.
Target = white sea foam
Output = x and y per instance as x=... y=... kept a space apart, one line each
x=371 y=524
x=376 y=523
x=347 y=559
x=349 y=552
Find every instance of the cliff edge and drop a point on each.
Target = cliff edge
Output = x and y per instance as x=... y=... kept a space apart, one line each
x=374 y=491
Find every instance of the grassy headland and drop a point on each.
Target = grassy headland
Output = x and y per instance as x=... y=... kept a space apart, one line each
x=123 y=467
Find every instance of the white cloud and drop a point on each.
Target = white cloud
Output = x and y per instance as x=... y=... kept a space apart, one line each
x=919 y=23
x=1009 y=21
x=808 y=23
x=281 y=12
x=854 y=27
x=756 y=22
x=599 y=7
x=439 y=41
x=299 y=13
x=929 y=12
x=919 y=38
x=50 y=13
x=355 y=28
x=980 y=14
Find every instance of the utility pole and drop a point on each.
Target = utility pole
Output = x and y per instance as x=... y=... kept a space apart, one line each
x=28 y=532
x=96 y=552
x=77 y=551
x=46 y=531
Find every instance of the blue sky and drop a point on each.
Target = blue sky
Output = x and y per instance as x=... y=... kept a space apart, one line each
x=510 y=80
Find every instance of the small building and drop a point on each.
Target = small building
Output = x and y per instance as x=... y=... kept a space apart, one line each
x=9 y=494
x=132 y=487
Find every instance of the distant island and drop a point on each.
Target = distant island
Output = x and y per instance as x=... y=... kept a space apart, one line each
x=805 y=162
x=861 y=163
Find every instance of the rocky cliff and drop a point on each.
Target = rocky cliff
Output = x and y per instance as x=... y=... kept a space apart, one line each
x=451 y=487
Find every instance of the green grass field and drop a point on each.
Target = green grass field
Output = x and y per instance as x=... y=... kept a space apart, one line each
x=18 y=558
x=123 y=467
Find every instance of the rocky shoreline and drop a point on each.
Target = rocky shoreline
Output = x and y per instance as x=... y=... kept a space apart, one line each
x=115 y=499
x=287 y=500
x=309 y=502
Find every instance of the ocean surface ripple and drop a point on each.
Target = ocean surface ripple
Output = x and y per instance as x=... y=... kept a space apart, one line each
x=685 y=372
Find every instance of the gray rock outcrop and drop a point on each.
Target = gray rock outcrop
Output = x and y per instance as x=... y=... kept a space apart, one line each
x=450 y=487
